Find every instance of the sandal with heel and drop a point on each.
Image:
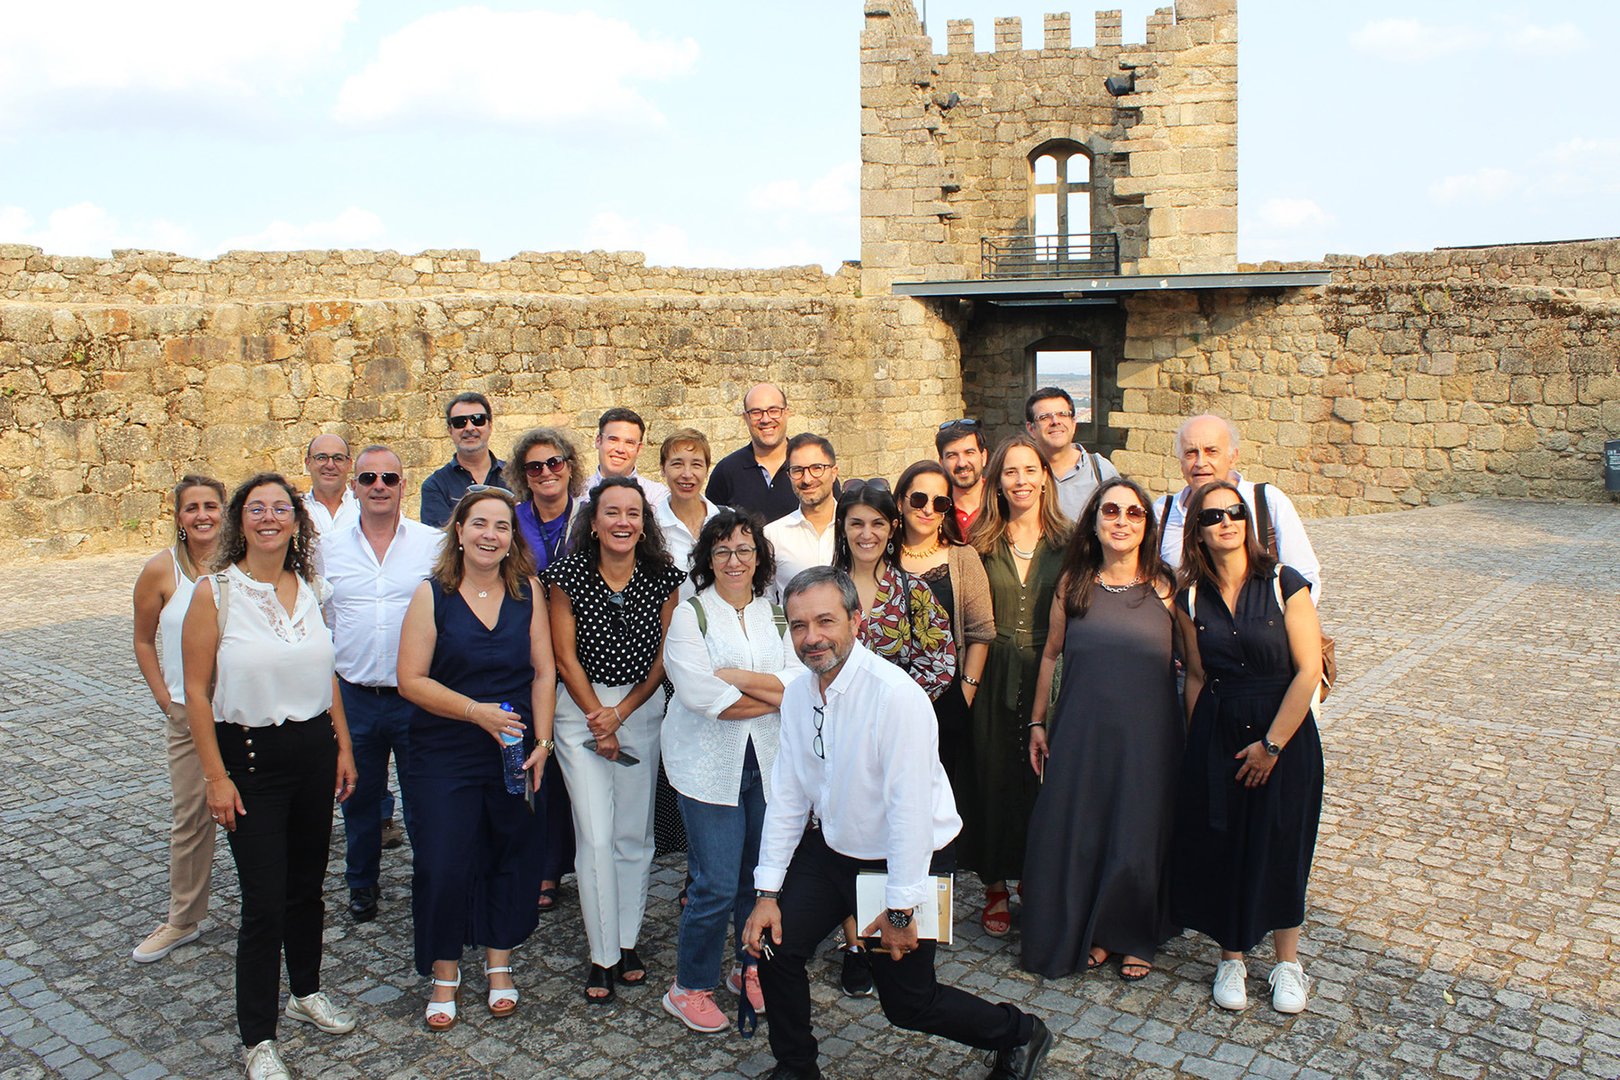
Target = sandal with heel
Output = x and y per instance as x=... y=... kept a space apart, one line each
x=441 y=1015
x=502 y=1003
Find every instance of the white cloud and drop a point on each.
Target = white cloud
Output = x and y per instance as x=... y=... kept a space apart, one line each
x=88 y=229
x=1409 y=39
x=1491 y=184
x=836 y=193
x=1289 y=213
x=1537 y=40
x=1583 y=167
x=353 y=228
x=520 y=69
x=113 y=63
x=670 y=245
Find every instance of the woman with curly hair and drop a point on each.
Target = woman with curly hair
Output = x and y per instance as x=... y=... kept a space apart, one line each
x=267 y=721
x=543 y=471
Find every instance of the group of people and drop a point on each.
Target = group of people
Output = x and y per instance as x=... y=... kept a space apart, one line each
x=991 y=649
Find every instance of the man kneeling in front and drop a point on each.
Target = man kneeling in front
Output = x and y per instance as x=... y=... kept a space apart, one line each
x=859 y=762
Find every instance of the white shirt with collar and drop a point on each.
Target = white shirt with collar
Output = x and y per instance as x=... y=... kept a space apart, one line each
x=678 y=539
x=326 y=521
x=1293 y=545
x=879 y=792
x=655 y=491
x=369 y=598
x=798 y=546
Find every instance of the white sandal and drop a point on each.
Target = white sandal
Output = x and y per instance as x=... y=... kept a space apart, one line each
x=502 y=1003
x=441 y=1015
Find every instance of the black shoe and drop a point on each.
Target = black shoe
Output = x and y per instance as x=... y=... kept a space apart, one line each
x=1023 y=1062
x=783 y=1072
x=363 y=904
x=856 y=978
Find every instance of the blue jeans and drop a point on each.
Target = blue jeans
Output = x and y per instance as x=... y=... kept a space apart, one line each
x=722 y=846
x=378 y=724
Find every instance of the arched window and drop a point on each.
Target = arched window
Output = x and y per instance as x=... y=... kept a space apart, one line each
x=1060 y=189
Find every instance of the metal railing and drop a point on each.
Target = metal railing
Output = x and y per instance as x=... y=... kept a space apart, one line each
x=1049 y=256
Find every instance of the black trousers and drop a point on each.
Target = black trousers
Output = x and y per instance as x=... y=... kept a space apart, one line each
x=818 y=892
x=285 y=775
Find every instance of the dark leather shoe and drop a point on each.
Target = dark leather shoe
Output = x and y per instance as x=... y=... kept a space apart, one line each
x=1023 y=1062
x=362 y=904
x=783 y=1072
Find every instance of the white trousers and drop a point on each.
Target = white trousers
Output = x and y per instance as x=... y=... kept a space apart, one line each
x=613 y=818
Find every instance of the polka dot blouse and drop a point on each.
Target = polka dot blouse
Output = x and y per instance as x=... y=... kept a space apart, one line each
x=617 y=635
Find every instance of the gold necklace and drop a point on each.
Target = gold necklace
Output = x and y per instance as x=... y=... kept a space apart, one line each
x=921 y=553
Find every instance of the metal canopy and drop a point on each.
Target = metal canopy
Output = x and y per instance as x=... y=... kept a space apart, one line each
x=1035 y=292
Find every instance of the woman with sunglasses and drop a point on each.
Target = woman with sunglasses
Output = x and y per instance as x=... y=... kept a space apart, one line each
x=542 y=469
x=1250 y=790
x=1020 y=534
x=933 y=551
x=267 y=721
x=1095 y=875
x=729 y=658
x=611 y=601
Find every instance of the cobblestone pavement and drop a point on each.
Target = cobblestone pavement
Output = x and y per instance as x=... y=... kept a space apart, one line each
x=1464 y=908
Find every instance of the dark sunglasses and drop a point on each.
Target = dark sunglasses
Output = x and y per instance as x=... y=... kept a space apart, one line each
x=918 y=500
x=855 y=487
x=1111 y=512
x=389 y=479
x=1212 y=515
x=551 y=464
x=476 y=419
x=967 y=423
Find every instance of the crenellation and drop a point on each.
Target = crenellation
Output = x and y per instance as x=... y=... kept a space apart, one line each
x=1058 y=37
x=959 y=42
x=1110 y=28
x=1009 y=34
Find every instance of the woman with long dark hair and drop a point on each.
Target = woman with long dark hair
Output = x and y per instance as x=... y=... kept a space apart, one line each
x=1251 y=780
x=1095 y=874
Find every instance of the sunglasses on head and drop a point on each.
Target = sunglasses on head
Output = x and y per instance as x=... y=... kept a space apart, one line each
x=551 y=464
x=476 y=419
x=855 y=487
x=919 y=500
x=389 y=479
x=967 y=423
x=1212 y=515
x=1111 y=512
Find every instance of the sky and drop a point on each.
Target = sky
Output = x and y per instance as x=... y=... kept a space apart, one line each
x=725 y=132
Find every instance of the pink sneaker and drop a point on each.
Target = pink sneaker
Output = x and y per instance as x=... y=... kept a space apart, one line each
x=750 y=976
x=696 y=1009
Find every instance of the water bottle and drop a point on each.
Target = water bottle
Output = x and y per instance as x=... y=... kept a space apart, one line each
x=512 y=758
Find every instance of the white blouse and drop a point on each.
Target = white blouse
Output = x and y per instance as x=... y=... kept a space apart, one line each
x=170 y=620
x=703 y=755
x=679 y=541
x=271 y=668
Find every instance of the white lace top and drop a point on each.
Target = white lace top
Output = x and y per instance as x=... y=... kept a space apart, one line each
x=272 y=668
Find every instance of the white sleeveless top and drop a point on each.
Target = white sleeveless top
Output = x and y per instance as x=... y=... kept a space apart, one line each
x=272 y=668
x=170 y=619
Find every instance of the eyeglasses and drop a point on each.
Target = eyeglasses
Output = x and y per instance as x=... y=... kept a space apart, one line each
x=855 y=487
x=1212 y=515
x=1112 y=511
x=329 y=459
x=1048 y=417
x=551 y=464
x=918 y=500
x=756 y=415
x=389 y=479
x=818 y=746
x=476 y=419
x=816 y=471
x=281 y=511
x=967 y=423
x=725 y=555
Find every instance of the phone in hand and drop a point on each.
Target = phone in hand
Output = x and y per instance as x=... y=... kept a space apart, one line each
x=625 y=758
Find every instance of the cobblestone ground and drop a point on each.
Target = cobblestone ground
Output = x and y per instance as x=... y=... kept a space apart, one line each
x=1464 y=908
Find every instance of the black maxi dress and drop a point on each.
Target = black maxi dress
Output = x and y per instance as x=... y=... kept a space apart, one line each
x=1241 y=856
x=1096 y=871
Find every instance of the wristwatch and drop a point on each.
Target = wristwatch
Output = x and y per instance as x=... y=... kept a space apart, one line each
x=767 y=894
x=899 y=919
x=1271 y=748
x=548 y=745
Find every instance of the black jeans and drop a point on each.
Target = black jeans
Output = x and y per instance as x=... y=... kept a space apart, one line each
x=818 y=892
x=285 y=775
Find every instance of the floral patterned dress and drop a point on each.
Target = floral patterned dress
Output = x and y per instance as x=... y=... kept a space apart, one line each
x=908 y=627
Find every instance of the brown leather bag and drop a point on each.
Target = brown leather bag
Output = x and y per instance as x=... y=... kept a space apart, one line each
x=1268 y=540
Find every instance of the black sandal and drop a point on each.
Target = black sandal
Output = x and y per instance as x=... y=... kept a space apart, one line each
x=548 y=899
x=600 y=978
x=632 y=972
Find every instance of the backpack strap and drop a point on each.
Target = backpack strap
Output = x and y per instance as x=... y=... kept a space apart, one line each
x=779 y=617
x=1164 y=510
x=702 y=616
x=1262 y=520
x=1096 y=470
x=1192 y=601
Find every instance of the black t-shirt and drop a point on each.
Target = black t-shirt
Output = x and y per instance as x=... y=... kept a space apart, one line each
x=738 y=481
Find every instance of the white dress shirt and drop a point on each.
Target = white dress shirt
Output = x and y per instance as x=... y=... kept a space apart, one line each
x=679 y=541
x=704 y=754
x=655 y=492
x=369 y=598
x=273 y=668
x=325 y=520
x=1293 y=546
x=798 y=547
x=880 y=791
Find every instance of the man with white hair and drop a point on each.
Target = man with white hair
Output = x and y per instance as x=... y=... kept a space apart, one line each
x=1207 y=447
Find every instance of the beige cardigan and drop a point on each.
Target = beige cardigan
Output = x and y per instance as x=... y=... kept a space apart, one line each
x=973 y=618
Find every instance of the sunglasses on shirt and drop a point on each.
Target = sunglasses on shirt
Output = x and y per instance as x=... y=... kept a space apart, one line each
x=476 y=419
x=389 y=479
x=1212 y=515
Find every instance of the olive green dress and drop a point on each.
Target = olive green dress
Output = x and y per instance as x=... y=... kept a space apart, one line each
x=997 y=787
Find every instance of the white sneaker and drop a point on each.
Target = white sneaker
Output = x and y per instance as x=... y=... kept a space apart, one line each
x=263 y=1063
x=164 y=940
x=1288 y=987
x=1230 y=992
x=319 y=1010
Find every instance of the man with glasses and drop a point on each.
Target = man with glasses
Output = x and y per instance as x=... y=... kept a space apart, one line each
x=755 y=477
x=1207 y=450
x=620 y=433
x=804 y=538
x=858 y=762
x=1049 y=419
x=329 y=501
x=374 y=564
x=963 y=454
x=470 y=422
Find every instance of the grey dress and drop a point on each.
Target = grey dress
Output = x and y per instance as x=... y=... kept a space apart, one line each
x=1099 y=838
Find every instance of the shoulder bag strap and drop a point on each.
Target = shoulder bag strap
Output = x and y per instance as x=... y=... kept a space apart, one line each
x=1262 y=519
x=779 y=617
x=702 y=616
